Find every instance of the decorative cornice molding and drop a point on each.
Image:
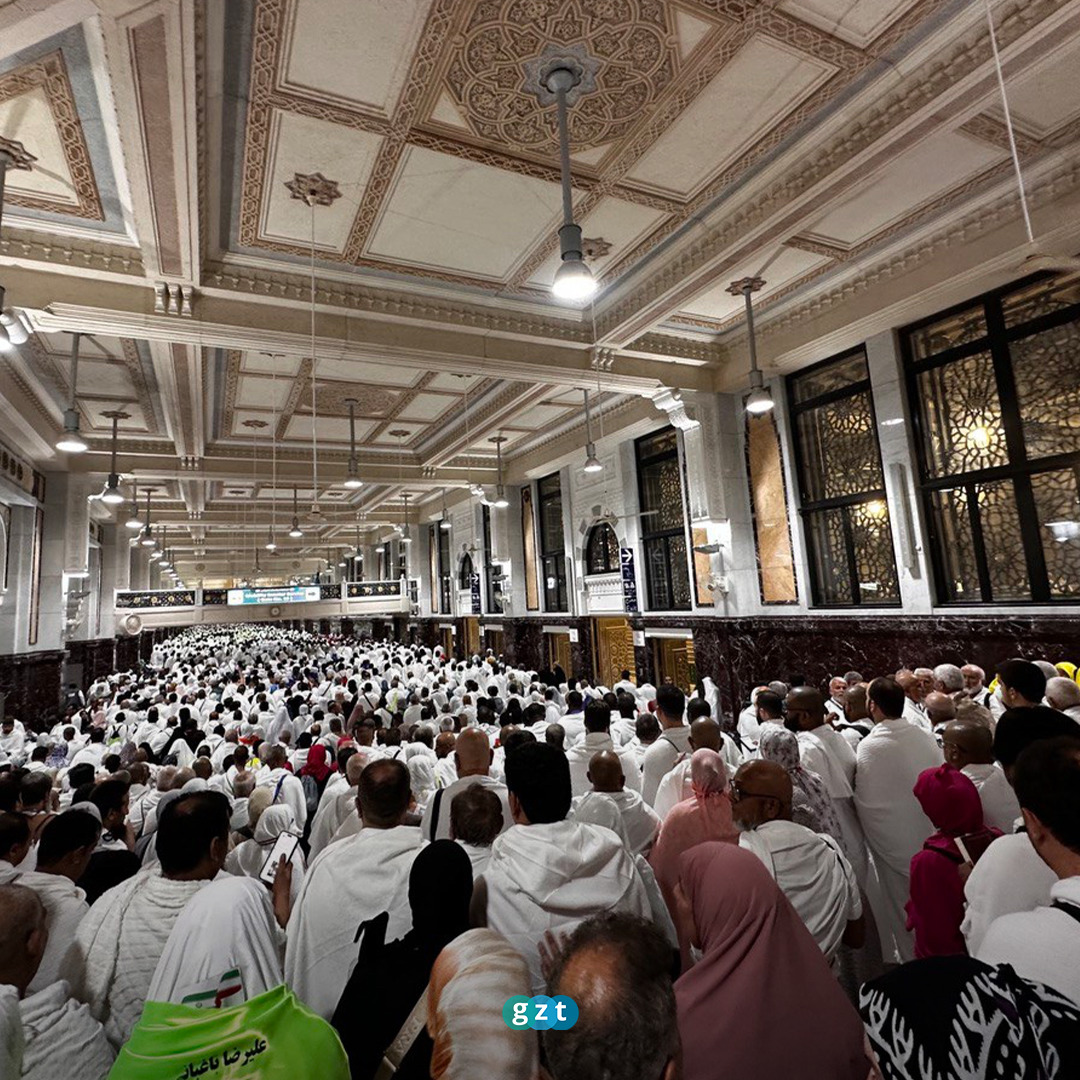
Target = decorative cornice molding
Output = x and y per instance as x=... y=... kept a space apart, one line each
x=989 y=216
x=68 y=253
x=288 y=286
x=681 y=277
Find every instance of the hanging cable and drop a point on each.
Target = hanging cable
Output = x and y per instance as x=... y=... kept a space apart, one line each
x=314 y=366
x=1008 y=124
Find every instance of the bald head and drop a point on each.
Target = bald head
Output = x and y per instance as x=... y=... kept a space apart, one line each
x=967 y=743
x=472 y=753
x=705 y=735
x=940 y=708
x=23 y=935
x=605 y=771
x=805 y=707
x=354 y=767
x=762 y=792
x=617 y=968
x=1062 y=693
x=444 y=744
x=855 y=703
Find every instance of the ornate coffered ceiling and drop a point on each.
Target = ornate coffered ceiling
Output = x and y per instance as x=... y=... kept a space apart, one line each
x=201 y=169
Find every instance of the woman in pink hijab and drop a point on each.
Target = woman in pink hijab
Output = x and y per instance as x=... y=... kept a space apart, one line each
x=762 y=998
x=935 y=908
x=706 y=816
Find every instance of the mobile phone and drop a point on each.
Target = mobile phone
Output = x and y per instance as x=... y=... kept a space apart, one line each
x=284 y=846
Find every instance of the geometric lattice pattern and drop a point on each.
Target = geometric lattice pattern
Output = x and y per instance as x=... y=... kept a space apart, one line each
x=963 y=425
x=874 y=560
x=1046 y=368
x=839 y=449
x=1002 y=540
x=956 y=546
x=1057 y=500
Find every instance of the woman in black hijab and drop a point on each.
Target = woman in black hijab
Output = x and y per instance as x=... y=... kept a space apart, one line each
x=389 y=979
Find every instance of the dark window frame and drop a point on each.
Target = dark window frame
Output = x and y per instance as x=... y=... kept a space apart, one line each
x=465 y=572
x=1019 y=469
x=442 y=538
x=810 y=507
x=597 y=534
x=492 y=595
x=552 y=548
x=661 y=537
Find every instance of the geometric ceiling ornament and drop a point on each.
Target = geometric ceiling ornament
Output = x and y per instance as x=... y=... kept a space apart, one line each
x=313 y=189
x=38 y=108
x=628 y=46
x=332 y=398
x=595 y=248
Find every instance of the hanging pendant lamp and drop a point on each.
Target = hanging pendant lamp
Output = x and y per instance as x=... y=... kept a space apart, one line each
x=352 y=480
x=147 y=539
x=112 y=493
x=71 y=442
x=592 y=462
x=573 y=280
x=500 y=502
x=295 y=531
x=133 y=522
x=760 y=399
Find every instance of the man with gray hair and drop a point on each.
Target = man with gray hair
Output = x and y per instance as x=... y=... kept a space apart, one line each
x=1064 y=695
x=948 y=679
x=974 y=680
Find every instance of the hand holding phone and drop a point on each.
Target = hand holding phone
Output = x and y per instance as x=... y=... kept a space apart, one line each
x=284 y=847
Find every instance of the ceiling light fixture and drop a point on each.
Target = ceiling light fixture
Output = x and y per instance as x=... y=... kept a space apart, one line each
x=592 y=462
x=295 y=531
x=112 y=493
x=444 y=522
x=406 y=534
x=352 y=480
x=573 y=280
x=759 y=400
x=147 y=539
x=500 y=501
x=133 y=522
x=71 y=442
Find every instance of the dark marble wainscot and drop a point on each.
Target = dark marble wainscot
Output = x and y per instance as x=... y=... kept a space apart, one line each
x=89 y=660
x=30 y=683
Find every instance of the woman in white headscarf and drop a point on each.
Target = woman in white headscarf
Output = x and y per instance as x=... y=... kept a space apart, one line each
x=247 y=859
x=422 y=778
x=226 y=928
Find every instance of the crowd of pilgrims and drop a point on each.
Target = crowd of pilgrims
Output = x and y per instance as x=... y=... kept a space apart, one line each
x=875 y=878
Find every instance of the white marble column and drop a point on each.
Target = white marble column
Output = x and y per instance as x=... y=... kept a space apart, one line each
x=900 y=470
x=115 y=574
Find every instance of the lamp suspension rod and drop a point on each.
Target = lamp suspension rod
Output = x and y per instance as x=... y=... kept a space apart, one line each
x=74 y=368
x=564 y=155
x=747 y=290
x=112 y=454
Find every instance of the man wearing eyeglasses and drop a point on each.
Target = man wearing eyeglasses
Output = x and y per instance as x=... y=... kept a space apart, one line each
x=809 y=867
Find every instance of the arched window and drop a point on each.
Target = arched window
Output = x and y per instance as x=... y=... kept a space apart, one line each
x=465 y=572
x=601 y=550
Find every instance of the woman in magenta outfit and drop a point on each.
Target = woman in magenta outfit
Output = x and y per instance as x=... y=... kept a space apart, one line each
x=936 y=905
